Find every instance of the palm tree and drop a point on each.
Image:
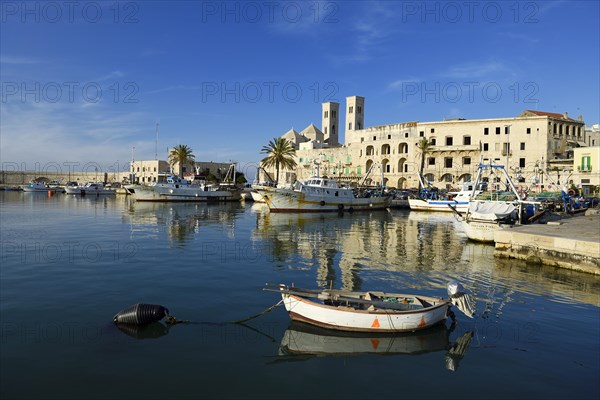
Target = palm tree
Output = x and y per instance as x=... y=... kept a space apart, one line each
x=182 y=155
x=280 y=153
x=424 y=146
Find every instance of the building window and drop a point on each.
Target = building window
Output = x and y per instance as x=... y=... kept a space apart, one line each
x=405 y=134
x=506 y=130
x=467 y=140
x=154 y=169
x=497 y=130
x=586 y=164
x=448 y=162
x=389 y=136
x=333 y=114
x=486 y=131
x=421 y=133
x=351 y=109
x=358 y=125
x=431 y=161
x=374 y=137
x=449 y=141
x=362 y=139
x=554 y=129
x=521 y=162
x=522 y=146
x=350 y=125
x=359 y=109
x=466 y=160
x=325 y=130
x=326 y=114
x=333 y=129
x=432 y=130
x=486 y=147
x=432 y=141
x=528 y=131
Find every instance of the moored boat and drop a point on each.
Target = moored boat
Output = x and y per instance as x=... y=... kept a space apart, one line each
x=38 y=187
x=176 y=189
x=490 y=212
x=90 y=189
x=429 y=200
x=371 y=311
x=322 y=194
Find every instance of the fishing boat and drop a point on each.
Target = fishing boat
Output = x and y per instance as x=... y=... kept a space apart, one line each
x=489 y=212
x=90 y=189
x=321 y=194
x=430 y=200
x=371 y=311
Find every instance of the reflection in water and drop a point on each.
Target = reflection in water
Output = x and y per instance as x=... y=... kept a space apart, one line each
x=150 y=331
x=410 y=251
x=309 y=341
x=182 y=220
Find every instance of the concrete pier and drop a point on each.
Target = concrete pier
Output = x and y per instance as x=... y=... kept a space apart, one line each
x=572 y=243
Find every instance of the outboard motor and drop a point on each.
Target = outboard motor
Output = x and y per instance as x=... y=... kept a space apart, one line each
x=461 y=299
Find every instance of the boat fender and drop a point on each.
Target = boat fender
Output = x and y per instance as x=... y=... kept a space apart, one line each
x=571 y=192
x=141 y=314
x=340 y=206
x=322 y=203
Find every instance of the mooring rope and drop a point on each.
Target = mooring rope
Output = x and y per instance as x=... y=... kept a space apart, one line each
x=240 y=321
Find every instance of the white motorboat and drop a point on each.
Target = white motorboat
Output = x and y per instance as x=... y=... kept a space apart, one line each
x=177 y=189
x=90 y=189
x=38 y=187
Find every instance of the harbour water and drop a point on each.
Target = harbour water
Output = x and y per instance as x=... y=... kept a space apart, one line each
x=69 y=263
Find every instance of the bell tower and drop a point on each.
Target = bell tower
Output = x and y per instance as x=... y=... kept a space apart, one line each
x=330 y=123
x=355 y=113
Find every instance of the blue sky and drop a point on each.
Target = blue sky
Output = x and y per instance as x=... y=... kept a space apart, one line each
x=86 y=82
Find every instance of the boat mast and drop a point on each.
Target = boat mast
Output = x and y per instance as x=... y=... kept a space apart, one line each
x=156 y=142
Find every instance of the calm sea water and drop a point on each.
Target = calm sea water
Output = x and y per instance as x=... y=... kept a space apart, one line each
x=70 y=263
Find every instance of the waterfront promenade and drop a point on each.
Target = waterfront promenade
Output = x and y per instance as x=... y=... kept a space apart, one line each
x=572 y=243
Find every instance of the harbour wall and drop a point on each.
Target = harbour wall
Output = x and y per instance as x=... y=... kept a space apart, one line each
x=572 y=243
x=16 y=178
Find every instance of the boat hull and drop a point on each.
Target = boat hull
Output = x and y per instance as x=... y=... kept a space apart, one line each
x=90 y=192
x=182 y=194
x=481 y=231
x=438 y=205
x=282 y=200
x=378 y=320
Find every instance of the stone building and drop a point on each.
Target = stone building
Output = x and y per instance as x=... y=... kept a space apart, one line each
x=151 y=171
x=529 y=143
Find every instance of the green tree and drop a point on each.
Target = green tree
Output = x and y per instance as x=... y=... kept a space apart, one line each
x=423 y=146
x=182 y=155
x=280 y=154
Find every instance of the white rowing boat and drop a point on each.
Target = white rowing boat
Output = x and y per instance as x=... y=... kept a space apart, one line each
x=371 y=311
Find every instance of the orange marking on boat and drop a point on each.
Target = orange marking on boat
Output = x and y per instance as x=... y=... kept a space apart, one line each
x=375 y=323
x=422 y=323
x=375 y=343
